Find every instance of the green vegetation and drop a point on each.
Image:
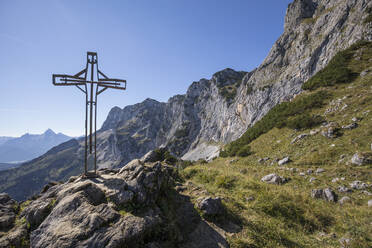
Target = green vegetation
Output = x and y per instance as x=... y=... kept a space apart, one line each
x=338 y=70
x=294 y=114
x=228 y=92
x=369 y=17
x=163 y=154
x=300 y=113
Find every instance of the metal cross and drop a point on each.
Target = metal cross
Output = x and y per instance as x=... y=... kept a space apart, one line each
x=91 y=89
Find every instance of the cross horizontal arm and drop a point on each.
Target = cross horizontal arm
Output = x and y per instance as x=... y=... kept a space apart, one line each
x=114 y=87
x=62 y=79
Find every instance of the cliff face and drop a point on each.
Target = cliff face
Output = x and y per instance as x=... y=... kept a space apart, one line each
x=219 y=110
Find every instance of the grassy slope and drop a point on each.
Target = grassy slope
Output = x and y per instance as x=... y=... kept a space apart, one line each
x=286 y=215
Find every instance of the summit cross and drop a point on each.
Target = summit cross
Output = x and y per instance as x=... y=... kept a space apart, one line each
x=91 y=89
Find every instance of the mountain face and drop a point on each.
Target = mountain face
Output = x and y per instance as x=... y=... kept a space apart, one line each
x=219 y=110
x=29 y=146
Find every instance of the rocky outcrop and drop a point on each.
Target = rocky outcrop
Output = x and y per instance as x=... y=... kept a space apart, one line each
x=118 y=208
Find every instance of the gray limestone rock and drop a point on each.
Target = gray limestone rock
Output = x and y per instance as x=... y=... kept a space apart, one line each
x=312 y=179
x=331 y=130
x=344 y=189
x=273 y=179
x=325 y=194
x=350 y=126
x=211 y=206
x=285 y=160
x=299 y=137
x=8 y=210
x=344 y=200
x=358 y=185
x=362 y=158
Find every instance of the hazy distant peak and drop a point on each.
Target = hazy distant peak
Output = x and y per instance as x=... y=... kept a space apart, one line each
x=49 y=132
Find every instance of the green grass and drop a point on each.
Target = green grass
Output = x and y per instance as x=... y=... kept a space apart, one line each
x=286 y=215
x=338 y=70
x=294 y=114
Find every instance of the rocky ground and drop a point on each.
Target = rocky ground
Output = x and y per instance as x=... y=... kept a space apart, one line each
x=140 y=205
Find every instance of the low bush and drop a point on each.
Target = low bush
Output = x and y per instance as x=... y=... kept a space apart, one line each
x=337 y=70
x=287 y=114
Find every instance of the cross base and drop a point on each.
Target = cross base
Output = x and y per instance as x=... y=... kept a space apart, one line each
x=89 y=174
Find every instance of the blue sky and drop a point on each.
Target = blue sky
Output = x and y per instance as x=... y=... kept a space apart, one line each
x=160 y=47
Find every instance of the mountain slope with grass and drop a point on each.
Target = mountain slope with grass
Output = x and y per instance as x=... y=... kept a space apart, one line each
x=334 y=153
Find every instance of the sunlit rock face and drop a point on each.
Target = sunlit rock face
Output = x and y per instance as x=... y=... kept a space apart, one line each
x=219 y=110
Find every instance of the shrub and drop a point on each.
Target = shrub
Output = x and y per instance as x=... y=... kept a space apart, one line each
x=304 y=121
x=244 y=151
x=280 y=116
x=163 y=154
x=226 y=182
x=337 y=71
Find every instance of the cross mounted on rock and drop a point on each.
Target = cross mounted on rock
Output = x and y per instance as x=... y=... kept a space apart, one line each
x=91 y=89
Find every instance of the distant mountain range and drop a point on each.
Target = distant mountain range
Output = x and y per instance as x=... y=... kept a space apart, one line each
x=4 y=139
x=29 y=146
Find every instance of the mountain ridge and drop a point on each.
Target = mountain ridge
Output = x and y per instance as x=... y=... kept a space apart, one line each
x=29 y=146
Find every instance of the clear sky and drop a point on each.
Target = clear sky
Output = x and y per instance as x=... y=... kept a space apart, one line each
x=160 y=47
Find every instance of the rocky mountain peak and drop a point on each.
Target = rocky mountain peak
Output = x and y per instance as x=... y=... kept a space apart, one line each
x=49 y=132
x=227 y=76
x=297 y=11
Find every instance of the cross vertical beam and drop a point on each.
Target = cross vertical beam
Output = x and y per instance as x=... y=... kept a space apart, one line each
x=92 y=88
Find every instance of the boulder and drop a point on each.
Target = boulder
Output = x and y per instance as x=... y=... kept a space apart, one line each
x=344 y=189
x=358 y=185
x=319 y=170
x=8 y=210
x=314 y=131
x=273 y=179
x=344 y=200
x=325 y=194
x=362 y=158
x=345 y=242
x=370 y=203
x=350 y=126
x=211 y=206
x=331 y=130
x=285 y=160
x=299 y=137
x=367 y=192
